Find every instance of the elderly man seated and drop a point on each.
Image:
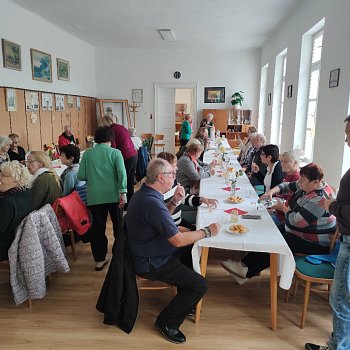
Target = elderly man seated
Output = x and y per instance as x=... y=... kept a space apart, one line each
x=66 y=137
x=154 y=241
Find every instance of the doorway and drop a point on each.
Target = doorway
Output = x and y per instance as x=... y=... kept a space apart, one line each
x=167 y=97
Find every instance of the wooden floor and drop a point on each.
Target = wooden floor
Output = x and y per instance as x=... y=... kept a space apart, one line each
x=233 y=316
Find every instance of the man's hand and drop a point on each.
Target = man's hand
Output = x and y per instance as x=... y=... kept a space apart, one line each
x=179 y=194
x=214 y=229
x=327 y=203
x=209 y=202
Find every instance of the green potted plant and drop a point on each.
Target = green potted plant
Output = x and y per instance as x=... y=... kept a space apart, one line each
x=237 y=99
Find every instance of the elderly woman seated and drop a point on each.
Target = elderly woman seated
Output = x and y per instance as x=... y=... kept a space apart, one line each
x=70 y=156
x=16 y=202
x=308 y=227
x=274 y=176
x=203 y=137
x=5 y=143
x=45 y=183
x=190 y=171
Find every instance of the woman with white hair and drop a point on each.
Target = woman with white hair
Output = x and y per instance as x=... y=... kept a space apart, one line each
x=16 y=202
x=5 y=143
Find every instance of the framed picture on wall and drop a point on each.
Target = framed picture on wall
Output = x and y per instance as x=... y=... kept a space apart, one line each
x=334 y=78
x=62 y=69
x=214 y=95
x=41 y=66
x=46 y=101
x=11 y=54
x=11 y=100
x=137 y=95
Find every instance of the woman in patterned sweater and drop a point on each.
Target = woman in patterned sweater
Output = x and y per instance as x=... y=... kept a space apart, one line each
x=308 y=227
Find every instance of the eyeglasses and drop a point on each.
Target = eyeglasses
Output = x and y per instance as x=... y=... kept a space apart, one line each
x=170 y=172
x=30 y=161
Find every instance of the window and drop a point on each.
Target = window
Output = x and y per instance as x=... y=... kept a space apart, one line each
x=278 y=98
x=262 y=99
x=313 y=94
x=282 y=98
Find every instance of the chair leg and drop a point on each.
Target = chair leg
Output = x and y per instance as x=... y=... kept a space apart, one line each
x=30 y=303
x=295 y=287
x=306 y=303
x=72 y=245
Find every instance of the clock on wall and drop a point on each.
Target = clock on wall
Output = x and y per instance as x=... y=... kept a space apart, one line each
x=177 y=75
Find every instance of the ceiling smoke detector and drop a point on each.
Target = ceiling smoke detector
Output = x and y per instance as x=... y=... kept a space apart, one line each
x=167 y=34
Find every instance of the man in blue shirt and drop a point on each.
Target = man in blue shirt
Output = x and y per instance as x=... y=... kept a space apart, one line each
x=154 y=241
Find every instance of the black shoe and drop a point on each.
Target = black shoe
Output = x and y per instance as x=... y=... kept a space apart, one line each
x=310 y=346
x=172 y=335
x=101 y=264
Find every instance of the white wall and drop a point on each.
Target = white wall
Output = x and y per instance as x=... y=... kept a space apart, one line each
x=31 y=31
x=120 y=71
x=333 y=103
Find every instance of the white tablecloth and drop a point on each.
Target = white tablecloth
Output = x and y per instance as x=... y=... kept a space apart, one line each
x=262 y=235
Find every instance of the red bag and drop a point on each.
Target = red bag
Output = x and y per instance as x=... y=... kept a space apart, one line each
x=72 y=213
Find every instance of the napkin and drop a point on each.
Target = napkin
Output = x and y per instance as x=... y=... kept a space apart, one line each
x=239 y=211
x=228 y=188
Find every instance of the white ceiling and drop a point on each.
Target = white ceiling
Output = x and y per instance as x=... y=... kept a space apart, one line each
x=197 y=24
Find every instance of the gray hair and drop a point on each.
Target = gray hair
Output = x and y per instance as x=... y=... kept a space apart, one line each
x=210 y=116
x=292 y=155
x=154 y=168
x=132 y=131
x=109 y=109
x=18 y=171
x=261 y=137
x=67 y=127
x=5 y=140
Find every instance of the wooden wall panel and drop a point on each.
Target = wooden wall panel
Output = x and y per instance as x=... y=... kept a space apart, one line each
x=74 y=119
x=19 y=120
x=46 y=126
x=49 y=124
x=34 y=132
x=5 y=125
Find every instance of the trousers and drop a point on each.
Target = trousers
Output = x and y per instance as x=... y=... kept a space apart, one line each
x=191 y=287
x=340 y=299
x=257 y=261
x=130 y=168
x=98 y=240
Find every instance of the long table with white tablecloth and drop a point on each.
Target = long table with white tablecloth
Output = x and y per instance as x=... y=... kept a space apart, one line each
x=262 y=235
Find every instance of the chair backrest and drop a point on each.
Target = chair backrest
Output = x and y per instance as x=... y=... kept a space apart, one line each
x=145 y=136
x=335 y=237
x=148 y=143
x=158 y=137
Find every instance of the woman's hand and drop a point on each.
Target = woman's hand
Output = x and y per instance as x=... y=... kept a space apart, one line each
x=214 y=163
x=209 y=202
x=280 y=206
x=214 y=229
x=255 y=168
x=179 y=193
x=327 y=203
x=122 y=200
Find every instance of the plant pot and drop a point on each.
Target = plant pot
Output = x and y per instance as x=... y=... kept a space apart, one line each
x=237 y=106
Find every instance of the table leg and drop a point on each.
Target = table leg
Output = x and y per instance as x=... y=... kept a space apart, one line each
x=204 y=262
x=273 y=290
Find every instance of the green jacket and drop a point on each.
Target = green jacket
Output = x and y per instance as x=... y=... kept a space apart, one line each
x=186 y=130
x=102 y=167
x=45 y=190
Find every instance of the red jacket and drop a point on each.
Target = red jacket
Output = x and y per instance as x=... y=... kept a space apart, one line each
x=65 y=140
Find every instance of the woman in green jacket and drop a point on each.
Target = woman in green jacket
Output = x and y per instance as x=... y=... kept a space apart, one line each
x=186 y=130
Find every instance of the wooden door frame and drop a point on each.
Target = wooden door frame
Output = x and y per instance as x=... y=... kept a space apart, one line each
x=157 y=86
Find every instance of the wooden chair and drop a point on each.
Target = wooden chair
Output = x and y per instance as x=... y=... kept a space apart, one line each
x=158 y=142
x=146 y=136
x=307 y=273
x=145 y=284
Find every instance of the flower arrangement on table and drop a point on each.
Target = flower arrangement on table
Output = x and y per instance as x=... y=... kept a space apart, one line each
x=233 y=180
x=51 y=151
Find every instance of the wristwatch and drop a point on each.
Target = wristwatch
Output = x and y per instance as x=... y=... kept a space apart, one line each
x=206 y=231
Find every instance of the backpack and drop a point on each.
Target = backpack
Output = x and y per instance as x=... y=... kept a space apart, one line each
x=142 y=162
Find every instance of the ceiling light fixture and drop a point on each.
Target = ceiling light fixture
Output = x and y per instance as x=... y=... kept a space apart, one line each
x=167 y=34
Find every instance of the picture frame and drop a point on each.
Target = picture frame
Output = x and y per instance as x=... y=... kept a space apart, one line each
x=11 y=100
x=46 y=101
x=137 y=95
x=290 y=91
x=334 y=77
x=63 y=70
x=31 y=100
x=269 y=99
x=11 y=54
x=214 y=95
x=41 y=66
